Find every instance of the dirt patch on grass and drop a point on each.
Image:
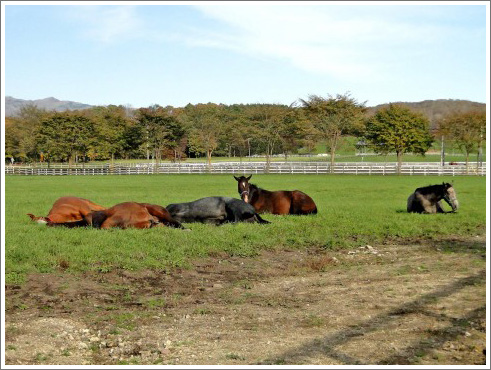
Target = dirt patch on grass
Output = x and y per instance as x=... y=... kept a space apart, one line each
x=384 y=304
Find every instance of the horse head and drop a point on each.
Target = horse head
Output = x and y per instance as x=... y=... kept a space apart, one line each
x=450 y=196
x=243 y=187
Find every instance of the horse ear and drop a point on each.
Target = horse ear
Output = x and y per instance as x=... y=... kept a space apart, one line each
x=235 y=177
x=248 y=178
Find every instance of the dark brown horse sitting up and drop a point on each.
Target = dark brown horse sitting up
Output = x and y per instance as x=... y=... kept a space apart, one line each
x=133 y=214
x=281 y=202
x=68 y=211
x=428 y=199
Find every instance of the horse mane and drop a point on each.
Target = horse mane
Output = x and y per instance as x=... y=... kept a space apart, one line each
x=253 y=186
x=434 y=189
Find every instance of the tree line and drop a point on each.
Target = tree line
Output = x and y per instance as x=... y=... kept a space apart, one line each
x=158 y=133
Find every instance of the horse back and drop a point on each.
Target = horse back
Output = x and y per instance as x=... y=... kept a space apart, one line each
x=71 y=209
x=123 y=215
x=284 y=202
x=202 y=210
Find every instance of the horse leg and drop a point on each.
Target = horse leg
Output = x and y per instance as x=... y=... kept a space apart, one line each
x=108 y=224
x=439 y=208
x=423 y=205
x=111 y=222
x=430 y=208
x=147 y=224
x=260 y=220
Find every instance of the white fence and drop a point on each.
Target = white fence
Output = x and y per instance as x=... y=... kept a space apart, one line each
x=352 y=168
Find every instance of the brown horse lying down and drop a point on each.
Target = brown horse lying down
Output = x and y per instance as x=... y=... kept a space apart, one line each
x=280 y=202
x=132 y=214
x=68 y=211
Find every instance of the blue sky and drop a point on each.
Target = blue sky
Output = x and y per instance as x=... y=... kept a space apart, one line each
x=245 y=52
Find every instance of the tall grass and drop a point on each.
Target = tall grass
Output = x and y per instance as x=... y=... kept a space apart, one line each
x=353 y=210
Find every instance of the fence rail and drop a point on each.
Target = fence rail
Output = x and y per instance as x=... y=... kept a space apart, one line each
x=353 y=168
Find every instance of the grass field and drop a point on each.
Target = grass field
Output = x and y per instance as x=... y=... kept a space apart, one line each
x=353 y=211
x=346 y=157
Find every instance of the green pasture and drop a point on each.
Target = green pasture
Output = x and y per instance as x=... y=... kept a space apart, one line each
x=353 y=211
x=346 y=157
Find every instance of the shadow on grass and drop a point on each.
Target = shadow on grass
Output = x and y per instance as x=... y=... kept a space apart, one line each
x=462 y=247
x=326 y=346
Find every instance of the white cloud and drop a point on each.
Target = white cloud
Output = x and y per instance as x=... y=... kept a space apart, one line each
x=107 y=23
x=348 y=42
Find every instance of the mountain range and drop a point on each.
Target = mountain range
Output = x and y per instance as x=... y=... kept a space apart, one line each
x=14 y=105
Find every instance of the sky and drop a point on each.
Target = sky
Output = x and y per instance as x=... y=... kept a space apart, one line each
x=245 y=52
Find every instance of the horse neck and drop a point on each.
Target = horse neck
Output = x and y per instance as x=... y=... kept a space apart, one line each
x=254 y=193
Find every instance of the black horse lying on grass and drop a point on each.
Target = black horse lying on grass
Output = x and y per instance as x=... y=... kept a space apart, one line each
x=428 y=199
x=214 y=210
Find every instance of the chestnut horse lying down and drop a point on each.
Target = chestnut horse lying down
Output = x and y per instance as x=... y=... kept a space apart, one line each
x=215 y=210
x=73 y=211
x=132 y=214
x=281 y=202
x=68 y=211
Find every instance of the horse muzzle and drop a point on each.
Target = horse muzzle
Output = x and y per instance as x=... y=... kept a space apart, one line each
x=245 y=196
x=453 y=202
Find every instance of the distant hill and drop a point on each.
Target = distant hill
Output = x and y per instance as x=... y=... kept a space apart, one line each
x=14 y=105
x=435 y=109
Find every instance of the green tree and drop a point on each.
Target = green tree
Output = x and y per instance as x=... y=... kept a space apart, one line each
x=64 y=135
x=398 y=129
x=269 y=121
x=467 y=130
x=237 y=131
x=295 y=131
x=21 y=131
x=206 y=126
x=133 y=139
x=162 y=129
x=111 y=125
x=334 y=117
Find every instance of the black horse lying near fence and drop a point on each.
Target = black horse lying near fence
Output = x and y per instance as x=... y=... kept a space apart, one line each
x=428 y=199
x=214 y=210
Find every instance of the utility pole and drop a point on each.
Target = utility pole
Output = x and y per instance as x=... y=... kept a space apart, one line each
x=249 y=145
x=479 y=149
x=442 y=159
